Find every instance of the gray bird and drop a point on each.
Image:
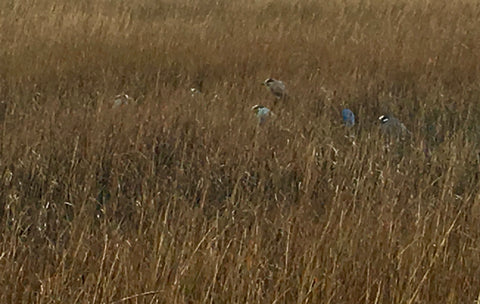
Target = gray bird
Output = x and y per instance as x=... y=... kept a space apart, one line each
x=277 y=87
x=120 y=100
x=195 y=92
x=262 y=113
x=392 y=127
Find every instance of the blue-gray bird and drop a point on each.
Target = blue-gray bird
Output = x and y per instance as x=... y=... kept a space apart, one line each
x=348 y=117
x=392 y=126
x=262 y=113
x=277 y=87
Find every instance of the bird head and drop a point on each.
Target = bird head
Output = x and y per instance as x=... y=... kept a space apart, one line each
x=268 y=82
x=384 y=119
x=256 y=108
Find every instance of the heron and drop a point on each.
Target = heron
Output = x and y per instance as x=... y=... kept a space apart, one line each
x=348 y=117
x=262 y=113
x=277 y=87
x=120 y=100
x=392 y=126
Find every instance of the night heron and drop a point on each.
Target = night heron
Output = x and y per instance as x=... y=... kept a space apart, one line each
x=348 y=117
x=195 y=92
x=392 y=126
x=277 y=87
x=120 y=100
x=262 y=113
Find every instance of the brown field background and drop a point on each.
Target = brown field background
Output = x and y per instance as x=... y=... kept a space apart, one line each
x=181 y=199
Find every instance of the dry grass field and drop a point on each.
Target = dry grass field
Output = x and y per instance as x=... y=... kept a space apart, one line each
x=174 y=198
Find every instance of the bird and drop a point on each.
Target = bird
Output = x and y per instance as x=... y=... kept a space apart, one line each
x=120 y=100
x=348 y=117
x=195 y=92
x=262 y=113
x=277 y=87
x=392 y=126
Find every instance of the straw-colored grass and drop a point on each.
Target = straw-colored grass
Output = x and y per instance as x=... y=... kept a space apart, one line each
x=175 y=198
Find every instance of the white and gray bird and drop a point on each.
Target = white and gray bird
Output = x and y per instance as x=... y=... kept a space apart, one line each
x=391 y=126
x=120 y=100
x=263 y=113
x=195 y=92
x=277 y=87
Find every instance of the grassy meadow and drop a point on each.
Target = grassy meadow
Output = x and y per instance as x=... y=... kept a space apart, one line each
x=175 y=198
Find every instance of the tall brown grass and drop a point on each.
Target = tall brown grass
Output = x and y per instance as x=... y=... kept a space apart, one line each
x=181 y=199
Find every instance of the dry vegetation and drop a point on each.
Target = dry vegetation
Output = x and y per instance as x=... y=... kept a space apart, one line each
x=181 y=199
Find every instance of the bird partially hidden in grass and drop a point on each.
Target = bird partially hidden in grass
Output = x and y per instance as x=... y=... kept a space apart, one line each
x=263 y=113
x=121 y=100
x=391 y=126
x=276 y=87
x=348 y=117
x=195 y=92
